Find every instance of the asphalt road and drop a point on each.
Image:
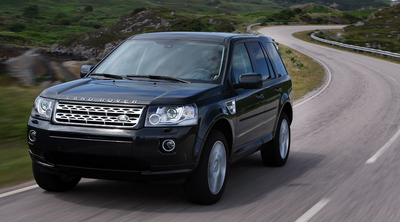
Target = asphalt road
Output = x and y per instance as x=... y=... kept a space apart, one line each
x=343 y=164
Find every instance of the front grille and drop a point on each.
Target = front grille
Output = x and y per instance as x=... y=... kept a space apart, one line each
x=97 y=115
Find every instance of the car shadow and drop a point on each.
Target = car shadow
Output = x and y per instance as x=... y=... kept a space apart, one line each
x=249 y=181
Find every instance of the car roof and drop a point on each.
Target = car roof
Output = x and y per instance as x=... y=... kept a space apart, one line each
x=219 y=37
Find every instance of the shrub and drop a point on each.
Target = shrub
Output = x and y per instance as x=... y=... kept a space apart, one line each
x=137 y=10
x=225 y=28
x=60 y=15
x=88 y=8
x=16 y=27
x=31 y=11
x=96 y=25
x=188 y=25
x=92 y=24
x=64 y=21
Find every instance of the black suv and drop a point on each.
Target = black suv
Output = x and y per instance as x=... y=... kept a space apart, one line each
x=165 y=107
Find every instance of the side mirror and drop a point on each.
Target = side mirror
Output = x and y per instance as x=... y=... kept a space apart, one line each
x=249 y=81
x=85 y=69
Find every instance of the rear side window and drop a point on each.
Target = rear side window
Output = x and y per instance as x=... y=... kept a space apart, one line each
x=240 y=61
x=276 y=60
x=259 y=57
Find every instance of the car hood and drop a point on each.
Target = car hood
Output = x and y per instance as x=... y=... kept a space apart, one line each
x=132 y=92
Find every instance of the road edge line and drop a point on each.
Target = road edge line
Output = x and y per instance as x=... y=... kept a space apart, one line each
x=18 y=191
x=327 y=83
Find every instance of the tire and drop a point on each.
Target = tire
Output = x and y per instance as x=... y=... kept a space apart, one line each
x=52 y=182
x=276 y=152
x=207 y=183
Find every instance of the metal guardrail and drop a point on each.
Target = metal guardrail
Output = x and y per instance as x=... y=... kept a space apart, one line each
x=251 y=31
x=347 y=46
x=356 y=48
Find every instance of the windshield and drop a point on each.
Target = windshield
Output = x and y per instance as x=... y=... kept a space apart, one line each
x=173 y=58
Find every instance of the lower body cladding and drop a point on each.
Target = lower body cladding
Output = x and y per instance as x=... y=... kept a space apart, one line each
x=147 y=154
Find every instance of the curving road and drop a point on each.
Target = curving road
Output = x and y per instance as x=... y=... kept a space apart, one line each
x=343 y=165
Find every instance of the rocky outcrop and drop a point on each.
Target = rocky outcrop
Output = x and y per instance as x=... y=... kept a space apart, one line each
x=99 y=43
x=30 y=67
x=33 y=68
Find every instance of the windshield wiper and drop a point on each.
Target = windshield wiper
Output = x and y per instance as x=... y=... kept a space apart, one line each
x=112 y=76
x=169 y=78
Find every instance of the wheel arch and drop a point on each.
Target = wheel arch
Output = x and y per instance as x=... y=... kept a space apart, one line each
x=225 y=128
x=288 y=109
x=221 y=123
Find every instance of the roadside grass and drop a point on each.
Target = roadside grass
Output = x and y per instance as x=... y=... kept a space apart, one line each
x=15 y=163
x=305 y=72
x=16 y=104
x=306 y=36
x=15 y=107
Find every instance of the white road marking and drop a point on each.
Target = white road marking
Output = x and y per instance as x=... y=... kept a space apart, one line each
x=326 y=85
x=313 y=211
x=384 y=148
x=18 y=191
x=391 y=141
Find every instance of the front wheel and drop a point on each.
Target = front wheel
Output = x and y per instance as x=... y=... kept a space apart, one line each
x=276 y=152
x=52 y=182
x=207 y=183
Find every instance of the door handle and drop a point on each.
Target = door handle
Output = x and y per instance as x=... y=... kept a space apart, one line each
x=260 y=95
x=278 y=90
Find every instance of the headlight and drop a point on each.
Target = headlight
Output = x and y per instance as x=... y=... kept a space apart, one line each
x=171 y=116
x=43 y=108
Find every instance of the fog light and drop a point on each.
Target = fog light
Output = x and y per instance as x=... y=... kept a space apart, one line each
x=32 y=135
x=168 y=145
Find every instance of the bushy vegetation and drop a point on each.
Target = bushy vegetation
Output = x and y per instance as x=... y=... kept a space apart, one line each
x=380 y=31
x=285 y=15
x=16 y=27
x=200 y=26
x=88 y=8
x=314 y=14
x=31 y=11
x=345 y=5
x=47 y=22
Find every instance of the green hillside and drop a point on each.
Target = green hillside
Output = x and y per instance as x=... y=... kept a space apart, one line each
x=42 y=23
x=380 y=31
x=46 y=22
x=344 y=5
x=311 y=13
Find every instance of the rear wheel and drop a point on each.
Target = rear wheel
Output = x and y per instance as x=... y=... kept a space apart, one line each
x=276 y=152
x=207 y=183
x=52 y=182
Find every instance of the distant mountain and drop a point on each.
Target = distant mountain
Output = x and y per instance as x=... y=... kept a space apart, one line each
x=344 y=5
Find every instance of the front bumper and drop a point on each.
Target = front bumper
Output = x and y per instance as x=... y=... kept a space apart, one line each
x=117 y=154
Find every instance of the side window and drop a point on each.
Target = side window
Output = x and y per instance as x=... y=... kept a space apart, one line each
x=261 y=62
x=276 y=59
x=240 y=61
